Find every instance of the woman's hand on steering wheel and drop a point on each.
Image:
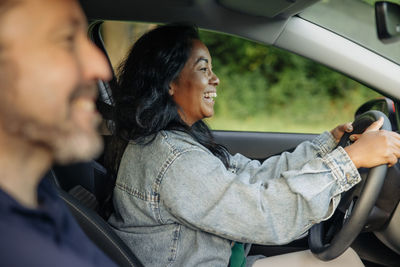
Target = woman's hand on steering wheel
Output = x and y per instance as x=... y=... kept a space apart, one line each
x=374 y=147
x=340 y=130
x=371 y=148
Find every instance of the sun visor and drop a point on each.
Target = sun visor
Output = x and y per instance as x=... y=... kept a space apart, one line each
x=269 y=9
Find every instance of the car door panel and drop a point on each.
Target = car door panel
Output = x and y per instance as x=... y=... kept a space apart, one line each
x=259 y=145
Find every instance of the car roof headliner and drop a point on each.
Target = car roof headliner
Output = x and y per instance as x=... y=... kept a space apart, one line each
x=246 y=18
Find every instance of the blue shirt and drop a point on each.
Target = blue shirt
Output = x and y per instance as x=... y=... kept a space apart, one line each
x=46 y=236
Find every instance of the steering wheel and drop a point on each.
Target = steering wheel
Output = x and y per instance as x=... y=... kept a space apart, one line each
x=355 y=205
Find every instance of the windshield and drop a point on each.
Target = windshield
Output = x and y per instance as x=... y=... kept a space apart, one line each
x=355 y=20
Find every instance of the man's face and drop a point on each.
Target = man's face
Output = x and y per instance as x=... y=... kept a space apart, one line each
x=48 y=71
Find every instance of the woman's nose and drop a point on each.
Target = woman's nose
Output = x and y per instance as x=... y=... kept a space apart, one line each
x=214 y=79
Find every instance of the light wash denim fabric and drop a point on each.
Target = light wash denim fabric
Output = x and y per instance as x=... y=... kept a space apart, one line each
x=177 y=205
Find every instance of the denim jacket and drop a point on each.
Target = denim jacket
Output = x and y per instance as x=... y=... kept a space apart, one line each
x=177 y=205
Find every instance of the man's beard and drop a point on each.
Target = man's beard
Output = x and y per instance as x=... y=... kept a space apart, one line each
x=68 y=142
x=75 y=144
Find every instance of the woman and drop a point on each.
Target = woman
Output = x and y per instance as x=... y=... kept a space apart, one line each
x=181 y=199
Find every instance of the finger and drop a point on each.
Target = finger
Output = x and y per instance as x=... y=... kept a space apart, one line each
x=354 y=137
x=395 y=144
x=375 y=126
x=348 y=127
x=392 y=140
x=395 y=135
x=392 y=161
x=397 y=153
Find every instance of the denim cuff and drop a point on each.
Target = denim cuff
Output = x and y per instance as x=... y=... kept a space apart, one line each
x=325 y=142
x=343 y=169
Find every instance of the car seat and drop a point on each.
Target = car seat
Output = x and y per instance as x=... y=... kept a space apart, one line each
x=82 y=187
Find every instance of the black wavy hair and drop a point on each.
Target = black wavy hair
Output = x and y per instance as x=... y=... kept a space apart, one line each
x=144 y=106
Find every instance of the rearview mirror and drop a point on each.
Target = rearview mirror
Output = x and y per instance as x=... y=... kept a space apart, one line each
x=387 y=16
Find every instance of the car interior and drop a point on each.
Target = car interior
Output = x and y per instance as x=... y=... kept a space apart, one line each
x=86 y=187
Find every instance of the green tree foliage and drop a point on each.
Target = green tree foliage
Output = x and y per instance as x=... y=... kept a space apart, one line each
x=266 y=82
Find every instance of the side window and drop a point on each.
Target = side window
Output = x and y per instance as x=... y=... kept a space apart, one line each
x=262 y=88
x=119 y=37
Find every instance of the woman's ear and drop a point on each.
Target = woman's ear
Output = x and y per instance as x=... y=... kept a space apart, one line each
x=171 y=90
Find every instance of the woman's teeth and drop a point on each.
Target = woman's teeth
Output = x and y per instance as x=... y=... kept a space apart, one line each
x=210 y=95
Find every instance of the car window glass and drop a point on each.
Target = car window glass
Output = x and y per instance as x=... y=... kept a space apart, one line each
x=262 y=88
x=355 y=20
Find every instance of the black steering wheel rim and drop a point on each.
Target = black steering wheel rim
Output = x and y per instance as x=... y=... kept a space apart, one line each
x=363 y=205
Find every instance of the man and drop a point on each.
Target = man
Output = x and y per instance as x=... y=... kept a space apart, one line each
x=48 y=71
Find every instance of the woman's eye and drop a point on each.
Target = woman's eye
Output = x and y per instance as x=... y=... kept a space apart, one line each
x=203 y=69
x=69 y=41
x=70 y=38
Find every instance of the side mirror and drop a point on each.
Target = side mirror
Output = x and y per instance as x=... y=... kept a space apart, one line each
x=387 y=16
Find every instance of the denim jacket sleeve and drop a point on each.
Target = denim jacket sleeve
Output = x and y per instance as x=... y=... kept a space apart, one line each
x=269 y=203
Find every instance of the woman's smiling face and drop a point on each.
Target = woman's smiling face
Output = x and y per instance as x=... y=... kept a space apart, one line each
x=195 y=89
